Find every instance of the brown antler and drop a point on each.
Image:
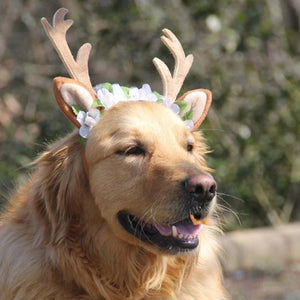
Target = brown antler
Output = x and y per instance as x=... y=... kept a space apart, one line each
x=77 y=69
x=172 y=84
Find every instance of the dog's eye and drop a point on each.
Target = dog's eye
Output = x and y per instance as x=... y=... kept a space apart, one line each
x=190 y=147
x=136 y=150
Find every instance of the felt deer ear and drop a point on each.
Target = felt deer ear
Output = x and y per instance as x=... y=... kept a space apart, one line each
x=70 y=93
x=197 y=105
x=197 y=102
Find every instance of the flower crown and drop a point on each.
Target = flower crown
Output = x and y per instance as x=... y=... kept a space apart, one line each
x=84 y=104
x=111 y=94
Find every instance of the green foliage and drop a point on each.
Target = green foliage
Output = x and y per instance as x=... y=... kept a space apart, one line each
x=125 y=91
x=76 y=109
x=108 y=87
x=188 y=115
x=246 y=52
x=159 y=98
x=97 y=104
x=182 y=105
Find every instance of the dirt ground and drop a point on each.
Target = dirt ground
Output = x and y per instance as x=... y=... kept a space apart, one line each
x=283 y=285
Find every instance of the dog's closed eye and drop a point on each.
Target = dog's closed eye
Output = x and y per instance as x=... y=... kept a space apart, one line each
x=137 y=150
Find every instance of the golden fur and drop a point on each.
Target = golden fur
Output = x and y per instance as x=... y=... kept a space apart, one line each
x=59 y=236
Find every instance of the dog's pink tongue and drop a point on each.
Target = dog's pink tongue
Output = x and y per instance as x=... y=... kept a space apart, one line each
x=164 y=229
x=186 y=229
x=189 y=229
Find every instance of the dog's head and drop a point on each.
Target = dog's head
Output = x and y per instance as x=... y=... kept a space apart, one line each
x=146 y=169
x=148 y=176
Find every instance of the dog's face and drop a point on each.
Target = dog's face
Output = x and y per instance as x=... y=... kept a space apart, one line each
x=148 y=177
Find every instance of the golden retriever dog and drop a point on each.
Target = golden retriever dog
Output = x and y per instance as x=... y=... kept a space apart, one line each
x=128 y=215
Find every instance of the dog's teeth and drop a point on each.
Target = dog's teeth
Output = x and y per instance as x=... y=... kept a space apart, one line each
x=180 y=235
x=189 y=237
x=174 y=231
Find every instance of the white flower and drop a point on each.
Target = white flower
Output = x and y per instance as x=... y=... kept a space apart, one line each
x=111 y=94
x=169 y=104
x=144 y=93
x=147 y=94
x=134 y=93
x=118 y=93
x=175 y=108
x=87 y=120
x=106 y=98
x=190 y=124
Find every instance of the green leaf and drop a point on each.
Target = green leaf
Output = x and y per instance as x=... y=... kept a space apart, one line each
x=188 y=115
x=76 y=109
x=97 y=103
x=182 y=105
x=107 y=86
x=159 y=98
x=126 y=91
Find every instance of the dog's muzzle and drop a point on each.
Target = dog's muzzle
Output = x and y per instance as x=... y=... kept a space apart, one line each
x=181 y=236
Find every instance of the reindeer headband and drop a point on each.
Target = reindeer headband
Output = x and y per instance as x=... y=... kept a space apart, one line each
x=82 y=104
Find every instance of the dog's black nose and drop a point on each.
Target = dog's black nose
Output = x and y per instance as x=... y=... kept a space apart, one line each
x=201 y=187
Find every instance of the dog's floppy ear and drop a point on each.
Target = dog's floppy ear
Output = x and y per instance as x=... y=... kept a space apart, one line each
x=71 y=94
x=197 y=105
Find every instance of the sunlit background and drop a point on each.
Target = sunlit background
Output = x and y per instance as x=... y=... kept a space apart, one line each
x=246 y=52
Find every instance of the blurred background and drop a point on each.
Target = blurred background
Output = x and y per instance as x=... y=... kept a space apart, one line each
x=246 y=52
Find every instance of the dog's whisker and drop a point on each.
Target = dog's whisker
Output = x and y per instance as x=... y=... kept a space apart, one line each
x=230 y=196
x=224 y=201
x=228 y=207
x=228 y=210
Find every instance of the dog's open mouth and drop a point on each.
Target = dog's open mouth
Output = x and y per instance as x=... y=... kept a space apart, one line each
x=181 y=236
